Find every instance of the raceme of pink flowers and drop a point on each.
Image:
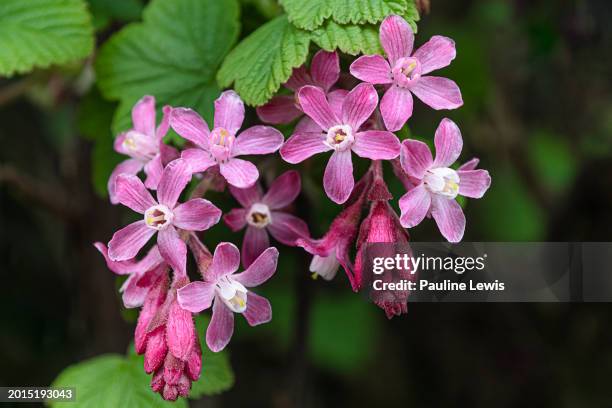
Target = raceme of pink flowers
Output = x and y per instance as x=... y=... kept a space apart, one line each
x=343 y=125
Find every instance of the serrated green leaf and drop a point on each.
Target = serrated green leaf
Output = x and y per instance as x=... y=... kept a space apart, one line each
x=264 y=60
x=411 y=14
x=311 y=14
x=217 y=375
x=40 y=33
x=173 y=54
x=350 y=39
x=110 y=381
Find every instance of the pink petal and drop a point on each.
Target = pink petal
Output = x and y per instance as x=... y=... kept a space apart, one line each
x=470 y=164
x=143 y=115
x=338 y=179
x=287 y=228
x=173 y=249
x=372 y=68
x=301 y=146
x=133 y=295
x=396 y=37
x=436 y=53
x=196 y=296
x=247 y=196
x=153 y=169
x=438 y=92
x=414 y=205
x=260 y=270
x=376 y=145
x=164 y=125
x=130 y=166
x=280 y=109
x=336 y=100
x=118 y=267
x=196 y=214
x=449 y=217
x=239 y=173
x=325 y=69
x=314 y=104
x=307 y=125
x=199 y=160
x=220 y=328
x=255 y=242
x=299 y=78
x=133 y=194
x=448 y=143
x=284 y=190
x=473 y=183
x=235 y=219
x=126 y=242
x=190 y=125
x=396 y=107
x=258 y=140
x=258 y=309
x=168 y=153
x=180 y=332
x=175 y=178
x=359 y=105
x=226 y=260
x=415 y=158
x=229 y=112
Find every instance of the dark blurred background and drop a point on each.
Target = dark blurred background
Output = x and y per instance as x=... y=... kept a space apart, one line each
x=536 y=81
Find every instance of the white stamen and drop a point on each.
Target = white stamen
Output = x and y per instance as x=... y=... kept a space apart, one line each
x=443 y=181
x=158 y=217
x=232 y=293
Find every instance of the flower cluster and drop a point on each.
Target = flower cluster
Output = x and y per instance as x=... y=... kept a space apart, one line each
x=349 y=124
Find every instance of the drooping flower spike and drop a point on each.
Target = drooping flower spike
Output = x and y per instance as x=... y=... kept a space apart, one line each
x=227 y=292
x=405 y=72
x=222 y=146
x=144 y=144
x=340 y=134
x=261 y=214
x=324 y=73
x=141 y=274
x=437 y=185
x=163 y=216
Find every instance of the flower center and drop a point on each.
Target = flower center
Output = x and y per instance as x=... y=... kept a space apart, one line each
x=139 y=146
x=443 y=181
x=406 y=72
x=158 y=217
x=232 y=293
x=340 y=137
x=221 y=142
x=259 y=215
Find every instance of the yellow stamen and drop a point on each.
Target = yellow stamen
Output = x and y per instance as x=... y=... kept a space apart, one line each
x=314 y=276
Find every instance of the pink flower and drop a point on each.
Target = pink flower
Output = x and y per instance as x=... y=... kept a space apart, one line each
x=144 y=145
x=222 y=146
x=340 y=134
x=142 y=274
x=437 y=185
x=406 y=72
x=163 y=216
x=324 y=73
x=227 y=292
x=260 y=214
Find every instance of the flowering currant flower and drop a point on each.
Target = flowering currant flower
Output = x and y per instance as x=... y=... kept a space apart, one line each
x=222 y=146
x=406 y=73
x=228 y=293
x=163 y=216
x=324 y=73
x=437 y=185
x=260 y=214
x=144 y=145
x=142 y=274
x=341 y=134
x=165 y=333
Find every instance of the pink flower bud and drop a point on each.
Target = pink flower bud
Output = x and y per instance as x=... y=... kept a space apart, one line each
x=173 y=368
x=156 y=350
x=193 y=368
x=180 y=331
x=170 y=393
x=157 y=381
x=155 y=298
x=184 y=386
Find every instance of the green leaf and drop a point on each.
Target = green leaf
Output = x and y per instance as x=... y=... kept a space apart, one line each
x=105 y=11
x=40 y=33
x=173 y=54
x=264 y=60
x=217 y=375
x=110 y=381
x=311 y=14
x=350 y=39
